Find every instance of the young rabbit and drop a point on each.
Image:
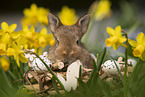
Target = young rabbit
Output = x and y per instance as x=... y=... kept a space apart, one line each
x=68 y=46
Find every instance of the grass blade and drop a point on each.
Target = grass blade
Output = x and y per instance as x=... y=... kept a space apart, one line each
x=119 y=72
x=92 y=73
x=55 y=85
x=101 y=59
x=104 y=89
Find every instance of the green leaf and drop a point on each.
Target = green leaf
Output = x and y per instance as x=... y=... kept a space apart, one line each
x=102 y=56
x=5 y=77
x=92 y=73
x=134 y=70
x=119 y=72
x=55 y=85
x=105 y=89
x=12 y=75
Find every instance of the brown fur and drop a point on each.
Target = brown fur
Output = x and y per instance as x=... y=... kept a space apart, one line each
x=68 y=46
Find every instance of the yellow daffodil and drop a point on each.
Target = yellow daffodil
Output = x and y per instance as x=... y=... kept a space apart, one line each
x=42 y=37
x=45 y=39
x=51 y=41
x=7 y=32
x=67 y=16
x=5 y=63
x=29 y=33
x=6 y=28
x=103 y=9
x=28 y=37
x=2 y=48
x=17 y=52
x=35 y=14
x=138 y=46
x=116 y=38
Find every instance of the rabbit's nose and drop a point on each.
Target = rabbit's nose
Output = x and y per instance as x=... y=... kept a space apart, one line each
x=64 y=53
x=71 y=53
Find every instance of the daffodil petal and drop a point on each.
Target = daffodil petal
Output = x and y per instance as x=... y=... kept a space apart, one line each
x=52 y=42
x=17 y=60
x=118 y=31
x=21 y=51
x=140 y=38
x=137 y=52
x=15 y=35
x=10 y=52
x=110 y=41
x=12 y=27
x=34 y=6
x=4 y=26
x=14 y=45
x=123 y=45
x=1 y=32
x=42 y=41
x=115 y=46
x=22 y=58
x=110 y=31
x=122 y=39
x=32 y=29
x=132 y=43
x=2 y=49
x=5 y=63
x=143 y=56
x=43 y=31
x=5 y=38
x=25 y=28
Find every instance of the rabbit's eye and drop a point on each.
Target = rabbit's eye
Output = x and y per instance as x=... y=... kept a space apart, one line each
x=77 y=41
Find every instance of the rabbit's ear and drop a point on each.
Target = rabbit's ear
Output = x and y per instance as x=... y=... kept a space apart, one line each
x=83 y=23
x=53 y=22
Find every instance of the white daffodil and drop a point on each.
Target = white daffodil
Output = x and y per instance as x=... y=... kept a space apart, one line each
x=72 y=75
x=110 y=67
x=132 y=62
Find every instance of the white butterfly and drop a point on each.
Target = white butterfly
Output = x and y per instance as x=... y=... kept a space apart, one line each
x=72 y=75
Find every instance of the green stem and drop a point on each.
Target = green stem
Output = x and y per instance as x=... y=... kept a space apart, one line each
x=12 y=75
x=134 y=70
x=101 y=59
x=47 y=68
x=125 y=70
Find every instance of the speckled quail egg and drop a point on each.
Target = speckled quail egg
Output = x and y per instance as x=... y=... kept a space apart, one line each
x=132 y=62
x=110 y=67
x=38 y=66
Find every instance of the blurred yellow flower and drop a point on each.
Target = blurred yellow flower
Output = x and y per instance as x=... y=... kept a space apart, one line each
x=6 y=28
x=2 y=48
x=116 y=38
x=35 y=15
x=7 y=32
x=51 y=41
x=44 y=38
x=31 y=39
x=138 y=46
x=17 y=52
x=28 y=37
x=103 y=9
x=5 y=63
x=67 y=16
